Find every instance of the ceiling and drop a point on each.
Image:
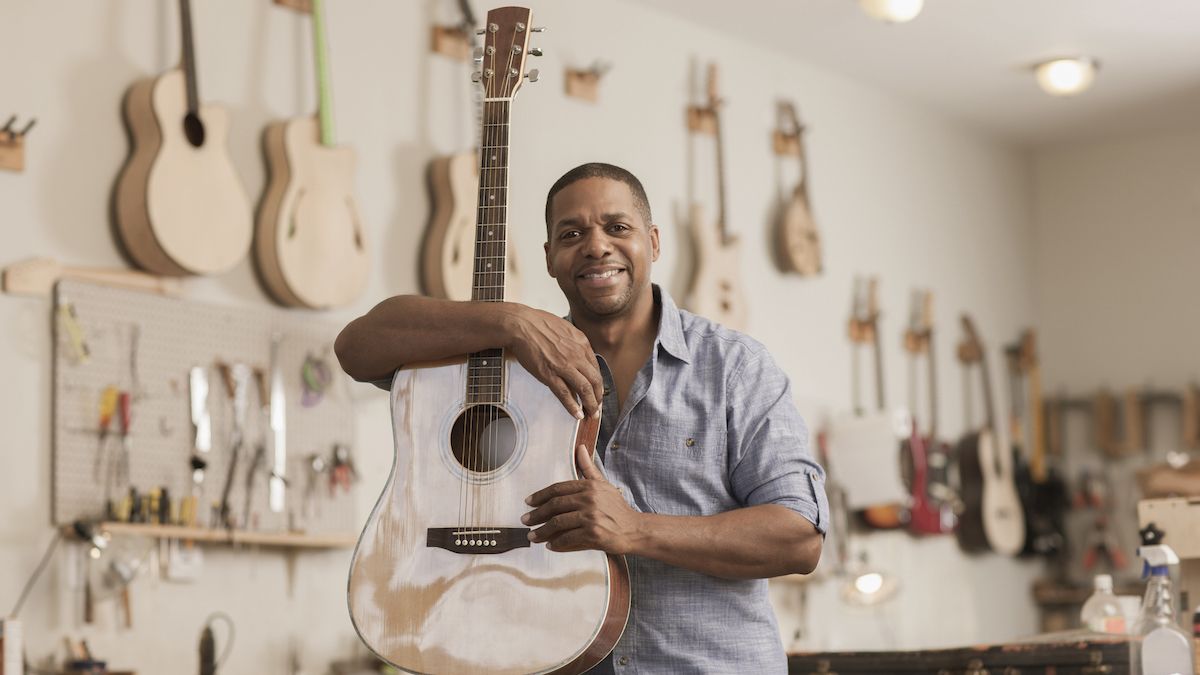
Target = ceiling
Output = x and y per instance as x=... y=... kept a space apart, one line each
x=970 y=59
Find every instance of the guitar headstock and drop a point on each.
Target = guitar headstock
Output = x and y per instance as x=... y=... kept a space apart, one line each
x=714 y=95
x=920 y=323
x=970 y=350
x=505 y=49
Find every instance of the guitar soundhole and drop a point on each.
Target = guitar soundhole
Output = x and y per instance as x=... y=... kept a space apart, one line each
x=193 y=129
x=483 y=438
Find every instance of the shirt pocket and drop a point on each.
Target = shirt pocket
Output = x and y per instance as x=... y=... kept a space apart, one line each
x=684 y=472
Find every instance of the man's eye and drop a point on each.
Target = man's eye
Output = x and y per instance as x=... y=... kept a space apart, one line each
x=569 y=234
x=620 y=227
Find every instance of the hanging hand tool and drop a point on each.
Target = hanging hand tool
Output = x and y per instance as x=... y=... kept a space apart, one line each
x=201 y=442
x=123 y=404
x=108 y=406
x=236 y=379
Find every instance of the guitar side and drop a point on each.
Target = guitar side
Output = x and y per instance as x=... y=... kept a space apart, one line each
x=526 y=609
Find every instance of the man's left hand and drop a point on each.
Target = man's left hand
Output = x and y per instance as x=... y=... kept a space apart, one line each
x=586 y=514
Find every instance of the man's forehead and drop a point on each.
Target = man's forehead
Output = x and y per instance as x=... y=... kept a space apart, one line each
x=587 y=195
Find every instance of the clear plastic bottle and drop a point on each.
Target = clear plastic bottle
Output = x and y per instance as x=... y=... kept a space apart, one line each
x=1101 y=613
x=1160 y=646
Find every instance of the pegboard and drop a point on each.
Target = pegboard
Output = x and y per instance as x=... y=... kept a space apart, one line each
x=147 y=345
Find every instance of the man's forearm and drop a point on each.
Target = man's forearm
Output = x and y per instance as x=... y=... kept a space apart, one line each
x=750 y=543
x=413 y=329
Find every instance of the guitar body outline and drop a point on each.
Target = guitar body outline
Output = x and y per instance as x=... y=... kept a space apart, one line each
x=309 y=241
x=714 y=291
x=447 y=252
x=534 y=609
x=181 y=209
x=797 y=237
x=1001 y=512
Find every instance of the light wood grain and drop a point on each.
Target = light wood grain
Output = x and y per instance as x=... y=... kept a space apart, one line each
x=310 y=243
x=715 y=290
x=37 y=276
x=222 y=536
x=432 y=611
x=181 y=209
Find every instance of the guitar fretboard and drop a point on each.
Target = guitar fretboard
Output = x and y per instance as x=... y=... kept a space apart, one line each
x=485 y=370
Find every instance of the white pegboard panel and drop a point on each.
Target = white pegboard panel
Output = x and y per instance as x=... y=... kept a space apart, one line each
x=147 y=344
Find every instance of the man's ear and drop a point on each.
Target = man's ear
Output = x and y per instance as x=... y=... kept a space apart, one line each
x=549 y=267
x=654 y=250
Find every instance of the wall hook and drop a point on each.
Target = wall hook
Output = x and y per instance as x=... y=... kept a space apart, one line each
x=583 y=83
x=12 y=144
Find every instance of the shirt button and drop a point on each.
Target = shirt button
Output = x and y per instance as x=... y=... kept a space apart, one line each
x=616 y=445
x=623 y=661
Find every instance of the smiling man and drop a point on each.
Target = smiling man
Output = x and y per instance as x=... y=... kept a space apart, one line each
x=707 y=482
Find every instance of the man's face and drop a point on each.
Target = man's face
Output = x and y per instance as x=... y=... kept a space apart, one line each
x=600 y=248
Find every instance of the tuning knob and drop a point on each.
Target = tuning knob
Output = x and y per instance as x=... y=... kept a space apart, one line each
x=540 y=29
x=478 y=55
x=536 y=51
x=480 y=31
x=533 y=75
x=475 y=77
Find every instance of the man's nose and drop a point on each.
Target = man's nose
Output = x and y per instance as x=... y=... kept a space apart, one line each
x=596 y=244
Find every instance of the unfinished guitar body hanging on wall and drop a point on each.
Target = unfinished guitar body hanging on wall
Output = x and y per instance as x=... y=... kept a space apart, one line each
x=180 y=205
x=797 y=243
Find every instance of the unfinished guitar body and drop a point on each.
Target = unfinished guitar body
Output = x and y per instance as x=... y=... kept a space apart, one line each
x=309 y=242
x=715 y=291
x=181 y=208
x=484 y=599
x=447 y=253
x=797 y=238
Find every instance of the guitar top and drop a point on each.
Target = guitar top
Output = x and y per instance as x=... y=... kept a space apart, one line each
x=797 y=240
x=180 y=205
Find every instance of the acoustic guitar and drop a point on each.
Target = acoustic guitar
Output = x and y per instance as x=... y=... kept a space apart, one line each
x=180 y=205
x=796 y=238
x=309 y=240
x=926 y=515
x=715 y=290
x=444 y=578
x=991 y=517
x=446 y=252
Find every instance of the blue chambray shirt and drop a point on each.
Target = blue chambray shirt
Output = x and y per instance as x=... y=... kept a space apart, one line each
x=709 y=426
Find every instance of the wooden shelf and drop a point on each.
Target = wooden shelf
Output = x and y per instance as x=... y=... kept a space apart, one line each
x=230 y=537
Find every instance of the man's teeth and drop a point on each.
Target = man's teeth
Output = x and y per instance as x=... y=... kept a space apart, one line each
x=601 y=275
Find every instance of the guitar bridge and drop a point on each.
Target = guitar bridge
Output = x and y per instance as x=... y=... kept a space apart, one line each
x=477 y=539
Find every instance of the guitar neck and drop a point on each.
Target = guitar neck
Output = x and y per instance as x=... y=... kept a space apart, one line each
x=324 y=93
x=1037 y=462
x=189 y=57
x=933 y=414
x=491 y=231
x=721 y=213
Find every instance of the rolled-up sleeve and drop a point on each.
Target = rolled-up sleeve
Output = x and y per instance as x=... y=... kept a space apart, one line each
x=770 y=461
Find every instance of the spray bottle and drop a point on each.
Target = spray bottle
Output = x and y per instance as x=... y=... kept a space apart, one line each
x=1160 y=646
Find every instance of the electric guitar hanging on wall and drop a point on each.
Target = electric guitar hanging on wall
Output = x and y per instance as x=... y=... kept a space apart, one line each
x=444 y=578
x=309 y=240
x=446 y=253
x=796 y=237
x=715 y=290
x=180 y=205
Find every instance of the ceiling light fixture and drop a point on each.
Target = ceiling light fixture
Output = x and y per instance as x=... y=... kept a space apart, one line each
x=1066 y=76
x=892 y=11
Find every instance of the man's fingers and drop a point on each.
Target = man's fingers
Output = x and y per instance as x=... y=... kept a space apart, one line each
x=587 y=468
x=565 y=396
x=587 y=395
x=544 y=495
x=556 y=526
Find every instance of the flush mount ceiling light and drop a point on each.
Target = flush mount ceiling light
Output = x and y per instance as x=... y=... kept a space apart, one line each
x=1066 y=76
x=892 y=11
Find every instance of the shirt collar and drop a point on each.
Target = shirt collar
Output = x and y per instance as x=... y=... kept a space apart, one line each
x=670 y=326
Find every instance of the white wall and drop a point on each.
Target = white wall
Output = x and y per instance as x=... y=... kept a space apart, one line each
x=897 y=192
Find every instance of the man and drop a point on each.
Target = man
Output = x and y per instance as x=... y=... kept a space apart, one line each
x=707 y=486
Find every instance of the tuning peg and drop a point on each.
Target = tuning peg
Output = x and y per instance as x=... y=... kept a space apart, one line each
x=475 y=77
x=536 y=51
x=540 y=29
x=480 y=31
x=533 y=75
x=478 y=54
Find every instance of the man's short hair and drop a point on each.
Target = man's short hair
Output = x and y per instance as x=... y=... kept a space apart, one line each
x=601 y=170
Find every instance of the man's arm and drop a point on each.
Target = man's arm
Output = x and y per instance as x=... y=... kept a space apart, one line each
x=408 y=329
x=754 y=542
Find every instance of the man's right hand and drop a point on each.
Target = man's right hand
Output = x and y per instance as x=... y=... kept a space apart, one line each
x=559 y=355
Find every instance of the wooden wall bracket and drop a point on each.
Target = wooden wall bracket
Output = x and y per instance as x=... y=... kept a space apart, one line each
x=702 y=120
x=785 y=144
x=12 y=145
x=584 y=83
x=451 y=42
x=37 y=276
x=304 y=6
